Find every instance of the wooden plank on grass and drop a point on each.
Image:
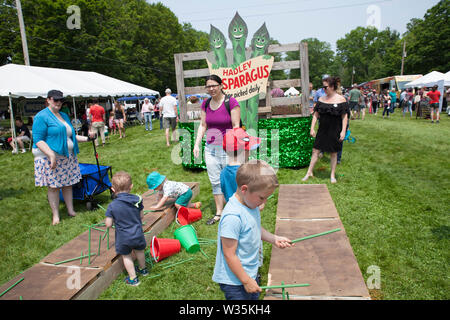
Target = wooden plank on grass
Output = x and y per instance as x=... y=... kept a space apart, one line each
x=326 y=262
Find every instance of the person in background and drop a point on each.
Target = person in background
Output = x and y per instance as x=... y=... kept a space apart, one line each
x=120 y=118
x=386 y=102
x=55 y=149
x=147 y=113
x=353 y=100
x=98 y=120
x=434 y=96
x=168 y=107
x=393 y=96
x=22 y=135
x=332 y=110
x=375 y=101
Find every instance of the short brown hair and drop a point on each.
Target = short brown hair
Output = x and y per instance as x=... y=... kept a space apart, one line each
x=121 y=182
x=257 y=175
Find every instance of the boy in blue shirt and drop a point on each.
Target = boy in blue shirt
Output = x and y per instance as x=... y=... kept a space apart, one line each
x=239 y=246
x=126 y=212
x=237 y=144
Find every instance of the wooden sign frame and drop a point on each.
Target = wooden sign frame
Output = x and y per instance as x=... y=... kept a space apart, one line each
x=264 y=111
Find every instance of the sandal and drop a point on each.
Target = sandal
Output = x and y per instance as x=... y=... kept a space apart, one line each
x=212 y=220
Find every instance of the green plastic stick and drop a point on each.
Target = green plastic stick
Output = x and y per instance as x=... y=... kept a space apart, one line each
x=89 y=253
x=315 y=235
x=101 y=207
x=92 y=227
x=81 y=257
x=106 y=232
x=68 y=260
x=286 y=286
x=15 y=284
x=176 y=263
x=282 y=290
x=108 y=239
x=99 y=244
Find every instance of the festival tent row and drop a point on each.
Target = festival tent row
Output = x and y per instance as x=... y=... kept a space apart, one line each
x=31 y=82
x=431 y=79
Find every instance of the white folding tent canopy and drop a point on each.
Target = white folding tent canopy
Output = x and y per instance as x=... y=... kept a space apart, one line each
x=428 y=80
x=431 y=79
x=291 y=92
x=32 y=82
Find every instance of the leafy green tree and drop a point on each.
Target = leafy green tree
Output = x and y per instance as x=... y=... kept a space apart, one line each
x=131 y=40
x=359 y=49
x=428 y=41
x=320 y=56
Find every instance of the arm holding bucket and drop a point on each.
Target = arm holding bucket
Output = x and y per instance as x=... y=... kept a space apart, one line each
x=229 y=247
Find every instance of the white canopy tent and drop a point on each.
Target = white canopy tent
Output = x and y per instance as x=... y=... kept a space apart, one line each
x=431 y=79
x=427 y=80
x=32 y=82
x=291 y=92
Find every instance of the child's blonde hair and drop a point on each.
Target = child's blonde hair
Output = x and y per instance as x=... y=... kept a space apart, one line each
x=257 y=175
x=121 y=182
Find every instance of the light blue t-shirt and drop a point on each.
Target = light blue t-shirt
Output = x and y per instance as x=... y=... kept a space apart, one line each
x=243 y=224
x=228 y=182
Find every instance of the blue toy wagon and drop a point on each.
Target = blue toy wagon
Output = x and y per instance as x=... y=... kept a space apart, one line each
x=94 y=180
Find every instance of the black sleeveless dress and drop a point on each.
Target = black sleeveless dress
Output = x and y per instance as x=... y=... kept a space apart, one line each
x=330 y=126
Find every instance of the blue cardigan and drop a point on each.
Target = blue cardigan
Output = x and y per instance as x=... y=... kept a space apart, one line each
x=46 y=127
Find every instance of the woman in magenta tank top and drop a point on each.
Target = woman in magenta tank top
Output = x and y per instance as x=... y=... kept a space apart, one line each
x=215 y=120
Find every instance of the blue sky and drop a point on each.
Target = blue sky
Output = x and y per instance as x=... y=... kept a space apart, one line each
x=290 y=21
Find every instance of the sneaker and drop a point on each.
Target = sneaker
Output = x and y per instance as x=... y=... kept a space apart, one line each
x=135 y=282
x=143 y=272
x=23 y=150
x=14 y=152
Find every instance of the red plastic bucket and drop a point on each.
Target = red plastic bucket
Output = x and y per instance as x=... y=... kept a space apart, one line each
x=188 y=215
x=163 y=248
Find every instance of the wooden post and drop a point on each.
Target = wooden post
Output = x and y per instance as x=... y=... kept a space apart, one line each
x=180 y=86
x=304 y=75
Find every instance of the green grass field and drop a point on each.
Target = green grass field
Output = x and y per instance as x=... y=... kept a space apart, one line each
x=392 y=196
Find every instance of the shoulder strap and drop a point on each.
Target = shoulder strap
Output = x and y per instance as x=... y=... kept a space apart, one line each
x=226 y=101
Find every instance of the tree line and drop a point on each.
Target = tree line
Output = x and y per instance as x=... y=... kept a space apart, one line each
x=135 y=41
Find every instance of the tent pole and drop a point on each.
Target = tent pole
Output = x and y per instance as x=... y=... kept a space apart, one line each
x=13 y=125
x=75 y=114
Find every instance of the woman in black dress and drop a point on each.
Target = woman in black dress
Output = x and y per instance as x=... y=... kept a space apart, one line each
x=332 y=110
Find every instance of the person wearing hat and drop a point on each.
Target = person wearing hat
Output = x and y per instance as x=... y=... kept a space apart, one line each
x=55 y=149
x=170 y=190
x=237 y=144
x=168 y=106
x=147 y=113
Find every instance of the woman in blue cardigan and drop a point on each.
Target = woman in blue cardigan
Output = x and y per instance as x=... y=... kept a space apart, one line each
x=55 y=146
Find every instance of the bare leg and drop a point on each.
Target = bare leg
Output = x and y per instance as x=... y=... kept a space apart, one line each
x=314 y=158
x=129 y=265
x=68 y=199
x=333 y=161
x=219 y=199
x=53 y=200
x=140 y=256
x=167 y=137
